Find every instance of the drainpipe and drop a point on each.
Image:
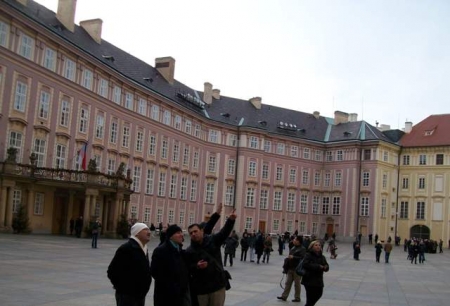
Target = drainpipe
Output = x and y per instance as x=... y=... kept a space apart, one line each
x=358 y=206
x=398 y=187
x=236 y=166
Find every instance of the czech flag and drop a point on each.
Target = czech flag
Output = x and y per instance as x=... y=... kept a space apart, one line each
x=82 y=157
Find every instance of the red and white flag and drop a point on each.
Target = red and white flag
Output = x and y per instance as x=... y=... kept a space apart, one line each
x=82 y=157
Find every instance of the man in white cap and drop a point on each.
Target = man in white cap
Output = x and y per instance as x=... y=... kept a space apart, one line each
x=129 y=270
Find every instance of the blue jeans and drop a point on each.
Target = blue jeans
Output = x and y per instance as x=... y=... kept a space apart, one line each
x=94 y=240
x=386 y=256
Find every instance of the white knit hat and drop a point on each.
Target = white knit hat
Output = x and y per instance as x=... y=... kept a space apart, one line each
x=137 y=227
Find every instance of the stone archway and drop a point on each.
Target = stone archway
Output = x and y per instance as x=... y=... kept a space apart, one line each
x=420 y=231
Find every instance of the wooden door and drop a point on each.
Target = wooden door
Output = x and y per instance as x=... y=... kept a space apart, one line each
x=262 y=226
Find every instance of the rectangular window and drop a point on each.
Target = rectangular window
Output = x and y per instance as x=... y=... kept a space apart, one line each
x=232 y=140
x=39 y=201
x=267 y=146
x=279 y=174
x=276 y=225
x=305 y=177
x=317 y=179
x=254 y=142
x=193 y=196
x=129 y=101
x=186 y=155
x=212 y=163
x=264 y=199
x=367 y=154
x=336 y=206
x=87 y=79
x=40 y=146
x=26 y=47
x=325 y=205
x=231 y=166
x=191 y=218
x=420 y=212
x=422 y=159
x=197 y=131
x=164 y=148
x=155 y=112
x=20 y=98
x=147 y=215
x=439 y=159
x=405 y=160
x=384 y=181
x=188 y=127
x=327 y=179
x=170 y=216
x=103 y=87
x=178 y=122
x=306 y=153
x=69 y=69
x=60 y=158
x=99 y=126
x=314 y=228
x=248 y=223
x=315 y=205
x=291 y=202
x=383 y=208
x=181 y=219
x=292 y=175
x=139 y=141
x=15 y=141
x=289 y=226
x=318 y=155
x=113 y=132
x=366 y=176
x=65 y=113
x=142 y=107
x=159 y=215
x=117 y=94
x=17 y=200
x=250 y=197
x=294 y=151
x=4 y=34
x=84 y=119
x=176 y=152
x=149 y=181
x=339 y=155
x=405 y=183
x=183 y=188
x=44 y=105
x=302 y=226
x=329 y=156
x=111 y=166
x=364 y=208
x=209 y=193
x=126 y=137
x=337 y=179
x=280 y=148
x=404 y=210
x=49 y=59
x=196 y=159
x=252 y=169
x=137 y=179
x=229 y=195
x=213 y=136
x=167 y=117
x=162 y=184
x=277 y=198
x=265 y=172
x=304 y=204
x=385 y=156
x=173 y=185
x=421 y=183
x=152 y=145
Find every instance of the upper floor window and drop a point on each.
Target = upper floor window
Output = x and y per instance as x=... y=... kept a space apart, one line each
x=280 y=148
x=267 y=146
x=139 y=141
x=49 y=61
x=65 y=113
x=404 y=207
x=99 y=125
x=439 y=159
x=188 y=127
x=103 y=88
x=20 y=98
x=197 y=130
x=232 y=140
x=252 y=168
x=420 y=212
x=4 y=34
x=292 y=175
x=178 y=122
x=84 y=119
x=254 y=142
x=231 y=166
x=15 y=141
x=155 y=112
x=213 y=136
x=405 y=183
x=306 y=153
x=337 y=179
x=167 y=117
x=421 y=183
x=69 y=69
x=384 y=180
x=294 y=151
x=422 y=159
x=212 y=163
x=129 y=101
x=305 y=177
x=318 y=155
x=366 y=176
x=386 y=156
x=329 y=156
x=117 y=94
x=405 y=160
x=339 y=155
x=26 y=46
x=126 y=137
x=364 y=208
x=265 y=172
x=327 y=179
x=279 y=174
x=87 y=79
x=142 y=107
x=367 y=154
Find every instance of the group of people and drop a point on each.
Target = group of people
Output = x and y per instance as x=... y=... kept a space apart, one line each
x=185 y=277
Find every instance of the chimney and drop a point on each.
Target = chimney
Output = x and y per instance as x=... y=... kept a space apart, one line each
x=352 y=117
x=384 y=127
x=23 y=2
x=408 y=127
x=216 y=94
x=207 y=93
x=340 y=117
x=256 y=102
x=316 y=114
x=94 y=28
x=66 y=13
x=166 y=67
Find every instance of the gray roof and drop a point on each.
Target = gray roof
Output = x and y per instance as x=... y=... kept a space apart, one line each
x=226 y=110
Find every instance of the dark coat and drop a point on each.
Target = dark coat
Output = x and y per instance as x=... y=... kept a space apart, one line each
x=129 y=270
x=259 y=244
x=231 y=244
x=298 y=253
x=212 y=278
x=244 y=243
x=314 y=274
x=170 y=271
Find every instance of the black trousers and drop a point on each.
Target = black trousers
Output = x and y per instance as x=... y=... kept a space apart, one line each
x=225 y=259
x=313 y=294
x=129 y=300
x=244 y=255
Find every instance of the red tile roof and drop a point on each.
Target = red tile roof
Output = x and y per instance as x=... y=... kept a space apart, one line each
x=433 y=131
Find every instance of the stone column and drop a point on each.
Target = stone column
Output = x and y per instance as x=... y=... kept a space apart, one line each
x=30 y=202
x=105 y=212
x=94 y=200
x=87 y=210
x=3 y=199
x=69 y=210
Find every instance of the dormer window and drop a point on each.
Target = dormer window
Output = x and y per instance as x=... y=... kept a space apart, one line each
x=428 y=133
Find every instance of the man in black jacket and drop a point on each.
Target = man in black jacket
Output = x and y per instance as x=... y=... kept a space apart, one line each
x=296 y=254
x=170 y=271
x=129 y=270
x=205 y=263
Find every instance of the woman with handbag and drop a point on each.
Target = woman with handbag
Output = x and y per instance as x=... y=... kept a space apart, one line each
x=315 y=265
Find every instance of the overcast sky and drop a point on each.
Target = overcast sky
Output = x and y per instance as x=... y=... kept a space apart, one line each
x=386 y=60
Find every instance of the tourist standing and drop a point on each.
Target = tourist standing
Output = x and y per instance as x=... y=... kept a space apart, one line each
x=95 y=232
x=267 y=248
x=315 y=265
x=378 y=249
x=387 y=251
x=296 y=254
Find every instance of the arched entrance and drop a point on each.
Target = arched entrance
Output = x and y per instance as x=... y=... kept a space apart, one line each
x=420 y=231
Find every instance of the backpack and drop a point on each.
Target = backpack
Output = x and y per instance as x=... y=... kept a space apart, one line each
x=299 y=270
